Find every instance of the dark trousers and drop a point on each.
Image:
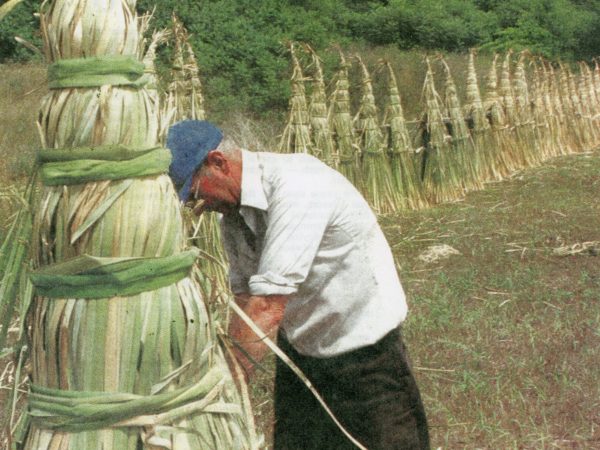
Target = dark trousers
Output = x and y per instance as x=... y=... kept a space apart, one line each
x=371 y=391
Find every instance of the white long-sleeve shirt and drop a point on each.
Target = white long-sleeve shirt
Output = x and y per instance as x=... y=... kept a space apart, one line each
x=315 y=239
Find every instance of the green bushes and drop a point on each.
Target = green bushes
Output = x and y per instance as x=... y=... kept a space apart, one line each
x=241 y=44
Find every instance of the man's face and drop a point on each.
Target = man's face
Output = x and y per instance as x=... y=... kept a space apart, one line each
x=214 y=184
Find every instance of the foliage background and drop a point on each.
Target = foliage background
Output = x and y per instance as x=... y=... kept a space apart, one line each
x=241 y=43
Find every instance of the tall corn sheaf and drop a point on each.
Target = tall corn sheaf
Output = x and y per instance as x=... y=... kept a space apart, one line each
x=507 y=97
x=342 y=127
x=403 y=164
x=582 y=122
x=441 y=174
x=541 y=116
x=589 y=101
x=115 y=369
x=467 y=160
x=505 y=141
x=479 y=126
x=296 y=135
x=185 y=101
x=525 y=124
x=554 y=107
x=378 y=185
x=321 y=136
x=574 y=135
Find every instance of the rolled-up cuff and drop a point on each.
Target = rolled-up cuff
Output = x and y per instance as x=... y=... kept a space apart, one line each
x=271 y=284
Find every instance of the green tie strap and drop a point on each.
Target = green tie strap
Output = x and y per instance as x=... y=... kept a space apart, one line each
x=92 y=277
x=96 y=71
x=111 y=162
x=75 y=411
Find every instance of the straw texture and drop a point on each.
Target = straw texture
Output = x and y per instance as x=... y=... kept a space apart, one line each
x=160 y=339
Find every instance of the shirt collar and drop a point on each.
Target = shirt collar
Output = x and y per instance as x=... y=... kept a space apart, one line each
x=253 y=194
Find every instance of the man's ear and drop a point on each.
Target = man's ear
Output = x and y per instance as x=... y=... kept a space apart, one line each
x=218 y=160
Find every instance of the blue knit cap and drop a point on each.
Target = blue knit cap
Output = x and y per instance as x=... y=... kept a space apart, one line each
x=189 y=142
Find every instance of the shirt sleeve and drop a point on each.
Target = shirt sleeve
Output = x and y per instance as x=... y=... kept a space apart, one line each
x=237 y=282
x=299 y=212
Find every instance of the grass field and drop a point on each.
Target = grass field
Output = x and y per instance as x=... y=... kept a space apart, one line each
x=504 y=337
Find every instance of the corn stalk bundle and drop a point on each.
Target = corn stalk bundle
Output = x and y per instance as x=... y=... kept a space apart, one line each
x=583 y=123
x=441 y=174
x=177 y=98
x=186 y=102
x=196 y=96
x=556 y=145
x=480 y=129
x=154 y=92
x=378 y=187
x=596 y=79
x=584 y=102
x=589 y=100
x=296 y=135
x=525 y=126
x=505 y=139
x=573 y=133
x=123 y=355
x=401 y=153
x=512 y=119
x=467 y=160
x=553 y=109
x=322 y=139
x=539 y=115
x=341 y=125
x=185 y=99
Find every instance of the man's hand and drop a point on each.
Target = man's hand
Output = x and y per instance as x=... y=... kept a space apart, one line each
x=266 y=313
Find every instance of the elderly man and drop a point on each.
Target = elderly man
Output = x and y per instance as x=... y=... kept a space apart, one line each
x=310 y=265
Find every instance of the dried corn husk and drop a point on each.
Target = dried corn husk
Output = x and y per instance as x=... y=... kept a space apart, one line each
x=156 y=340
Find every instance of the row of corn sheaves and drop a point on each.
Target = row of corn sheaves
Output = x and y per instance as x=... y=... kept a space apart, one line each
x=534 y=111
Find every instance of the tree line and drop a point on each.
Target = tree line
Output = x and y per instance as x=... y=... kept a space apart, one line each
x=241 y=43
